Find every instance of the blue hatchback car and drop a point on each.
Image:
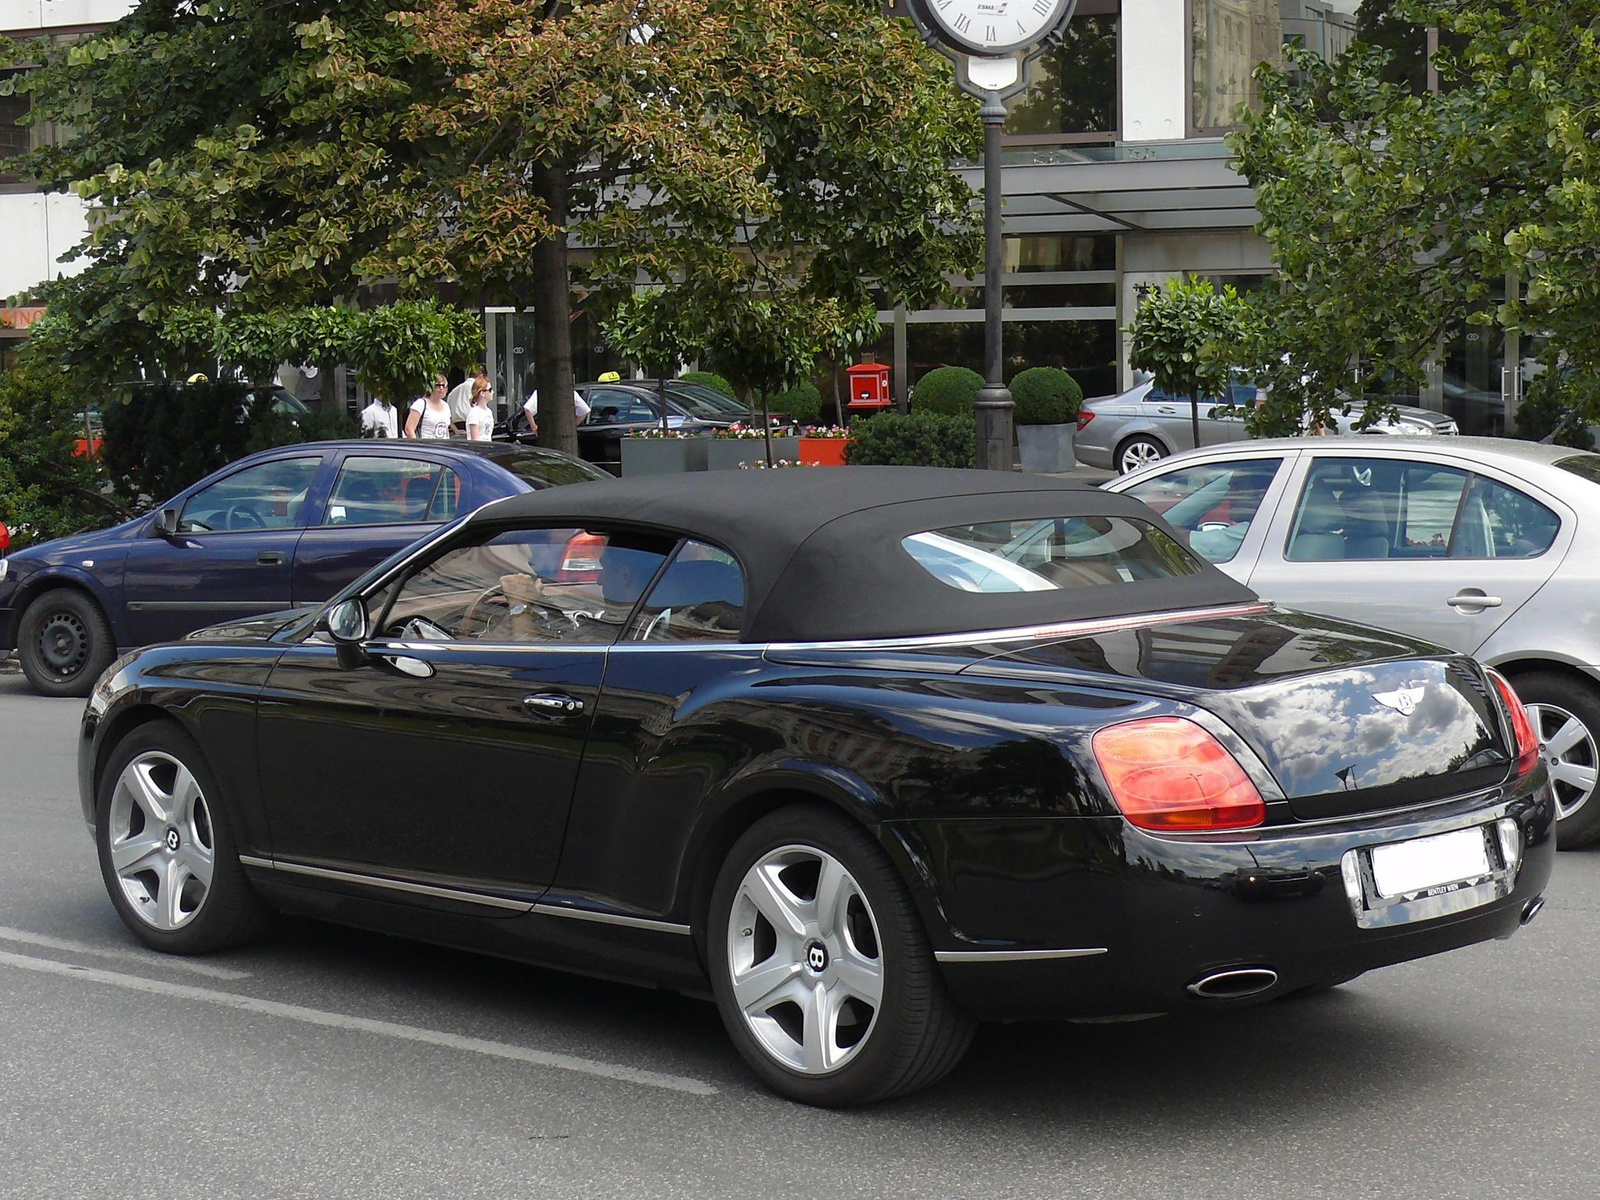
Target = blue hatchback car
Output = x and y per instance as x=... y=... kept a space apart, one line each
x=280 y=529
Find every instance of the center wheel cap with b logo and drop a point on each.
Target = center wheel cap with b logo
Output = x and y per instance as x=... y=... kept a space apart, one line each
x=173 y=841
x=816 y=957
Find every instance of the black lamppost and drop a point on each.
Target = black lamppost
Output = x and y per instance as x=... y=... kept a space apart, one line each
x=991 y=43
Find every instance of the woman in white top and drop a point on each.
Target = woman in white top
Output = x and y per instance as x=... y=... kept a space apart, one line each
x=430 y=415
x=480 y=417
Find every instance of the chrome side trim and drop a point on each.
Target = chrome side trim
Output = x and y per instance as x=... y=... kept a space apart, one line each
x=1007 y=956
x=603 y=918
x=1065 y=629
x=392 y=885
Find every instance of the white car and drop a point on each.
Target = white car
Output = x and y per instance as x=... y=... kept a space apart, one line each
x=1488 y=546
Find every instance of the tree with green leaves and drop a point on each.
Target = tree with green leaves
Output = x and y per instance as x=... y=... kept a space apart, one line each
x=1187 y=335
x=1395 y=213
x=261 y=155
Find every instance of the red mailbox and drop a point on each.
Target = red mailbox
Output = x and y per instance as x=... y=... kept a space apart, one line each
x=869 y=387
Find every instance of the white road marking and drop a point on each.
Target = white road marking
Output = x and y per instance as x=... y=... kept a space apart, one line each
x=330 y=1020
x=147 y=958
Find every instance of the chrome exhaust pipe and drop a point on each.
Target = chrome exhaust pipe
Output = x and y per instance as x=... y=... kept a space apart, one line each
x=1235 y=984
x=1532 y=909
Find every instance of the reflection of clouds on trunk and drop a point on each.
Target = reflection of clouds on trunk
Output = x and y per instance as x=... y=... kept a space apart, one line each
x=1331 y=733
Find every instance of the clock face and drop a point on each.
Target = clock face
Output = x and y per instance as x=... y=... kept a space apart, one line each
x=994 y=26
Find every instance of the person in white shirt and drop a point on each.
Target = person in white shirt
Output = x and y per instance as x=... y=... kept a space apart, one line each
x=379 y=420
x=580 y=410
x=480 y=414
x=430 y=415
x=460 y=397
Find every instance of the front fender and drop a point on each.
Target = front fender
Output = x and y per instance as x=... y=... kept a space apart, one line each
x=33 y=585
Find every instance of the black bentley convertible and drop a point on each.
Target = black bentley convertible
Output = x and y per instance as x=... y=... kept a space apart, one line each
x=866 y=754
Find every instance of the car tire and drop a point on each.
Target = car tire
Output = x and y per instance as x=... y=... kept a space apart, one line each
x=64 y=642
x=1138 y=451
x=843 y=1007
x=1566 y=715
x=166 y=846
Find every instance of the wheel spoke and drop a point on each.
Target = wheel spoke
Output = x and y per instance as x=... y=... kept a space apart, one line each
x=185 y=791
x=173 y=875
x=861 y=978
x=1582 y=778
x=821 y=1021
x=1565 y=739
x=197 y=861
x=135 y=854
x=147 y=794
x=834 y=889
x=756 y=990
x=774 y=902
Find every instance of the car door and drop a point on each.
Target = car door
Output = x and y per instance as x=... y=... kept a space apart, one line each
x=1225 y=505
x=446 y=759
x=378 y=503
x=1430 y=545
x=231 y=556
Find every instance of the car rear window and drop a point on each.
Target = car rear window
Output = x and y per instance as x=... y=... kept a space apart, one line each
x=1050 y=554
x=1584 y=466
x=543 y=472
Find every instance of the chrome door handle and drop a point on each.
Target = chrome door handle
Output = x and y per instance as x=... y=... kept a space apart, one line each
x=1472 y=598
x=548 y=704
x=270 y=558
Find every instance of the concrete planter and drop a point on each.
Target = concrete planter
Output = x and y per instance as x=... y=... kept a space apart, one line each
x=729 y=454
x=1046 y=449
x=663 y=456
x=823 y=452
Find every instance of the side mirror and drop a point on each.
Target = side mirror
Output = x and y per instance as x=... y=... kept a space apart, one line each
x=347 y=624
x=167 y=523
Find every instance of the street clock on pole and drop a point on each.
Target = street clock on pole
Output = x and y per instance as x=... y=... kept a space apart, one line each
x=994 y=27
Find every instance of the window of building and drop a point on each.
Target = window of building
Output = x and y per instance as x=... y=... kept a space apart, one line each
x=15 y=136
x=1072 y=93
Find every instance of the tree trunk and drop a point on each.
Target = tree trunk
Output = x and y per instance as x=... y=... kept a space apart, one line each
x=552 y=316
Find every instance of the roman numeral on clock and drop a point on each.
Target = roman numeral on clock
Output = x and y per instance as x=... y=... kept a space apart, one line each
x=1043 y=7
x=991 y=34
x=963 y=23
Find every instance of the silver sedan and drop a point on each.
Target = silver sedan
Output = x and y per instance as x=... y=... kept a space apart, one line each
x=1143 y=425
x=1487 y=546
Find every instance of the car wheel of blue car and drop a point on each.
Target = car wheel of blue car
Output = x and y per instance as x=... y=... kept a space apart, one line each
x=821 y=967
x=64 y=643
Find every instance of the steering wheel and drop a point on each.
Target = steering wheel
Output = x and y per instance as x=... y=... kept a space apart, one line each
x=493 y=605
x=242 y=516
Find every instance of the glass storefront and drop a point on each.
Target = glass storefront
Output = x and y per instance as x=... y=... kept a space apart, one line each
x=1072 y=93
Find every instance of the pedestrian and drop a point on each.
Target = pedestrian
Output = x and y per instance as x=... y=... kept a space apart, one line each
x=580 y=410
x=430 y=415
x=460 y=397
x=480 y=413
x=379 y=419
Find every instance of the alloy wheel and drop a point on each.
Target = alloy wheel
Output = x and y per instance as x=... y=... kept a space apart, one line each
x=161 y=840
x=1570 y=753
x=63 y=642
x=1140 y=454
x=804 y=959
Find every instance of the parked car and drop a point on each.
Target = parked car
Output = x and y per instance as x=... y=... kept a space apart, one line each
x=1490 y=547
x=1144 y=425
x=868 y=755
x=289 y=526
x=705 y=403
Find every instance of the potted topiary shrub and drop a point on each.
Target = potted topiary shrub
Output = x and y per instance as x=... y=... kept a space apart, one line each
x=1047 y=400
x=946 y=391
x=802 y=402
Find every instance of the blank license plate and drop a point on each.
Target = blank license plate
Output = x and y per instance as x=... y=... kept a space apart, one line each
x=1408 y=867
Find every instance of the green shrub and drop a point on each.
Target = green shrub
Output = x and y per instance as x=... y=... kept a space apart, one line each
x=711 y=379
x=947 y=390
x=1045 y=396
x=1562 y=403
x=915 y=440
x=802 y=402
x=46 y=490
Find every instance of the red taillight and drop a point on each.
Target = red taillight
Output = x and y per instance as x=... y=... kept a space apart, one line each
x=1527 y=736
x=1170 y=775
x=1083 y=420
x=580 y=560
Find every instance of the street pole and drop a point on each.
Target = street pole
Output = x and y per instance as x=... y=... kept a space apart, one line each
x=994 y=406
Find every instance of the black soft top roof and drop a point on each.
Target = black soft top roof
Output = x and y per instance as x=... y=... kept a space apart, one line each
x=822 y=554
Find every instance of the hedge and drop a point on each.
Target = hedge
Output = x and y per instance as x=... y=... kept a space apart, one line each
x=711 y=379
x=914 y=440
x=803 y=402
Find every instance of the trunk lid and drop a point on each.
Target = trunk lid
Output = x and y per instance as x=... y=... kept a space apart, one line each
x=1347 y=719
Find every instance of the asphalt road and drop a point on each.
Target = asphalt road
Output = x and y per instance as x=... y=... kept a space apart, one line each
x=328 y=1063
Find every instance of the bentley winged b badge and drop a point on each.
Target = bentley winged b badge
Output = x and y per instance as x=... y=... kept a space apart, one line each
x=1403 y=700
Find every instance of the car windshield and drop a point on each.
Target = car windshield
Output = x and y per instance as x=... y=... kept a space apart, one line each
x=706 y=401
x=1050 y=554
x=542 y=471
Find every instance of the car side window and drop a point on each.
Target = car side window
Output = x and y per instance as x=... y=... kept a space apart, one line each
x=380 y=490
x=699 y=598
x=1500 y=522
x=1367 y=509
x=1215 y=502
x=269 y=495
x=528 y=586
x=608 y=406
